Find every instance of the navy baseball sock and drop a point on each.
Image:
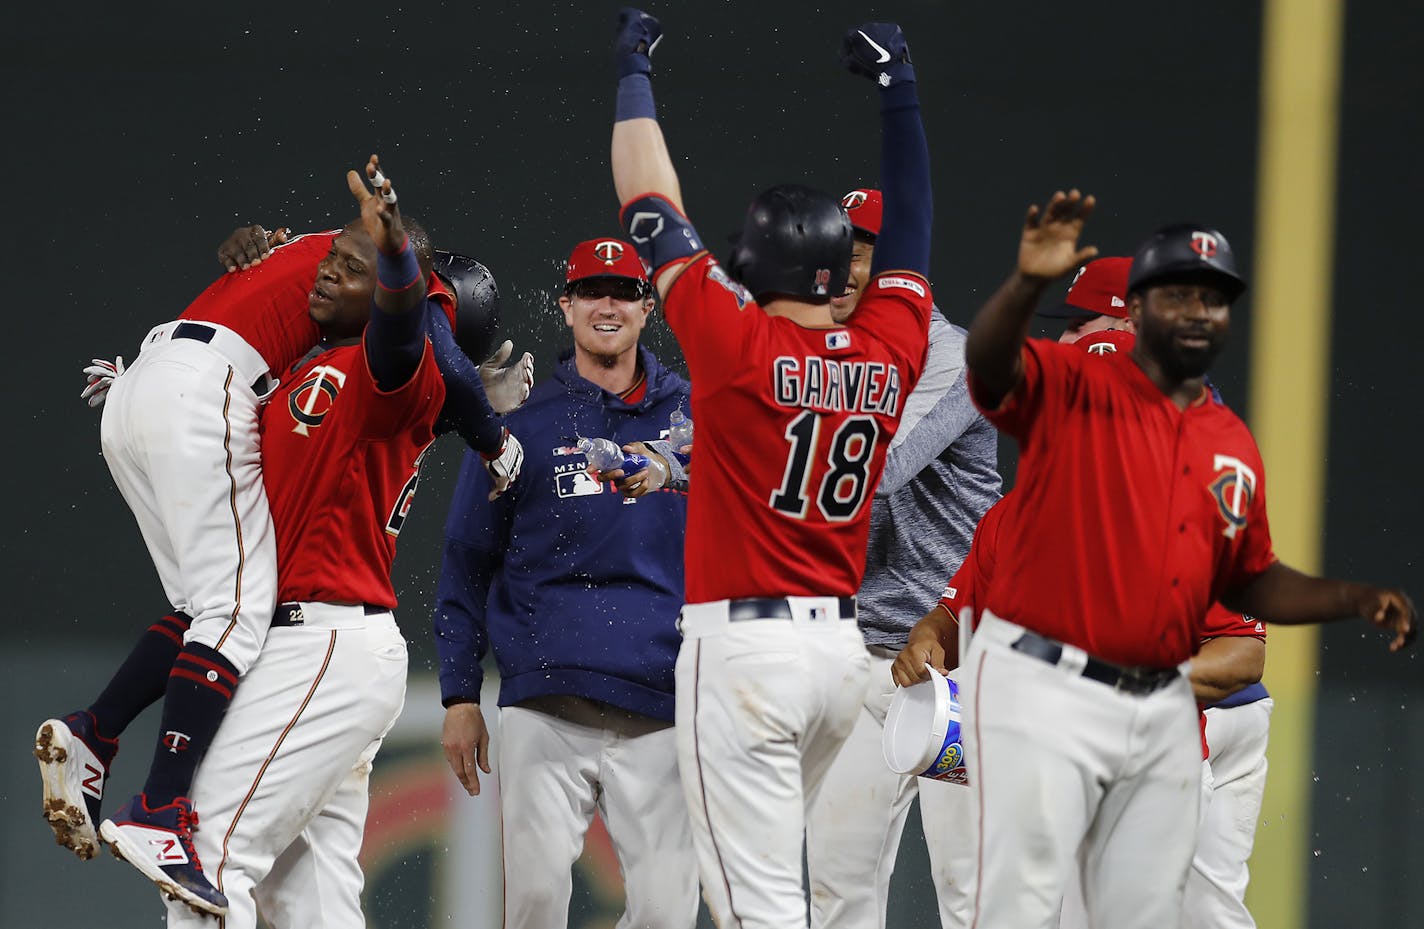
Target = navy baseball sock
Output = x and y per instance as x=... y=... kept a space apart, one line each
x=200 y=688
x=142 y=678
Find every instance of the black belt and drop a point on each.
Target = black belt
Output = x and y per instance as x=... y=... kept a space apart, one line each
x=201 y=332
x=1136 y=681
x=290 y=614
x=195 y=331
x=749 y=608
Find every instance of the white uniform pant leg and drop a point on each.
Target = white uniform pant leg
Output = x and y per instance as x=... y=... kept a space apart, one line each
x=316 y=882
x=179 y=433
x=853 y=829
x=762 y=708
x=548 y=784
x=1216 y=886
x=646 y=816
x=947 y=813
x=304 y=716
x=1138 y=850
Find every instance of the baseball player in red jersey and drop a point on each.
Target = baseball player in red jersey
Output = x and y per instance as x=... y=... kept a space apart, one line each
x=794 y=414
x=1096 y=301
x=1079 y=718
x=283 y=789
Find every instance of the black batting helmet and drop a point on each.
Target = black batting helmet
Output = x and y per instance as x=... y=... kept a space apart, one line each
x=476 y=302
x=796 y=241
x=1186 y=251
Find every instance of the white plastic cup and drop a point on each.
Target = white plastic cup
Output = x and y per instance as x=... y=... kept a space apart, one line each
x=922 y=731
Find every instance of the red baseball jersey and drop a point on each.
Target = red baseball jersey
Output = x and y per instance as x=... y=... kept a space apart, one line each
x=1130 y=517
x=1220 y=622
x=267 y=305
x=978 y=565
x=341 y=460
x=792 y=428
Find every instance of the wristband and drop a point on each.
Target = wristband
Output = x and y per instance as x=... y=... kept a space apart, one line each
x=398 y=271
x=635 y=98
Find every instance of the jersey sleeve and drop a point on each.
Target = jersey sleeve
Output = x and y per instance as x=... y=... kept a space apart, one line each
x=895 y=309
x=714 y=319
x=1048 y=369
x=1221 y=622
x=386 y=413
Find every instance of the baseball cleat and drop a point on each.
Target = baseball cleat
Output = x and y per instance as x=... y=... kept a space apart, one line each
x=159 y=843
x=74 y=765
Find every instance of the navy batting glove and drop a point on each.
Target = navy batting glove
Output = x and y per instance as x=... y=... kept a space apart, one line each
x=878 y=51
x=638 y=35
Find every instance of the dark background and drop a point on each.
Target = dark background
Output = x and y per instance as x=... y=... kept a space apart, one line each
x=140 y=135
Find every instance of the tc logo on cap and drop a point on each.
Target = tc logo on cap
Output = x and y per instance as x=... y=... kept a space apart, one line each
x=609 y=251
x=853 y=199
x=1204 y=244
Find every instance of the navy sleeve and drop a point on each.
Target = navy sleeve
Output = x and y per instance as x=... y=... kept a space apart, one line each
x=476 y=534
x=467 y=410
x=395 y=343
x=904 y=240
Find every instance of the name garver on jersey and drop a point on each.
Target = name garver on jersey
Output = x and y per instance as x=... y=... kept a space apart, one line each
x=835 y=385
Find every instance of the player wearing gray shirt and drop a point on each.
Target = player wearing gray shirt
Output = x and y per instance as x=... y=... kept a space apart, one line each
x=939 y=479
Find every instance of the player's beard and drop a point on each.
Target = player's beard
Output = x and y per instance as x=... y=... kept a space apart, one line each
x=1180 y=362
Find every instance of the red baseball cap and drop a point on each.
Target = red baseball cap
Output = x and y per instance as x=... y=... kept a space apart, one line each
x=604 y=258
x=1106 y=342
x=1100 y=289
x=864 y=207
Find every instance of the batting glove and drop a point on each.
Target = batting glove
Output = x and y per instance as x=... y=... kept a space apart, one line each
x=101 y=377
x=878 y=51
x=503 y=466
x=507 y=388
x=638 y=35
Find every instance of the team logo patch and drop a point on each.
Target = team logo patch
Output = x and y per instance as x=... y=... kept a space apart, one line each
x=905 y=283
x=742 y=295
x=1234 y=487
x=853 y=199
x=1102 y=348
x=176 y=741
x=950 y=592
x=837 y=340
x=311 y=401
x=609 y=251
x=1204 y=244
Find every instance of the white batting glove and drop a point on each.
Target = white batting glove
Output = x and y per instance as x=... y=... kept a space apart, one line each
x=507 y=388
x=504 y=466
x=101 y=376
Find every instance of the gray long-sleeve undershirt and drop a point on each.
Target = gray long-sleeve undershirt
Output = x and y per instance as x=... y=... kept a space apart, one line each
x=940 y=476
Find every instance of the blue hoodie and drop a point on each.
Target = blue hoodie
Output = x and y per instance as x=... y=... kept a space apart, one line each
x=576 y=589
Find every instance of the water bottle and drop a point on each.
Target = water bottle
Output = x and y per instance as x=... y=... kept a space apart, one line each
x=605 y=455
x=680 y=435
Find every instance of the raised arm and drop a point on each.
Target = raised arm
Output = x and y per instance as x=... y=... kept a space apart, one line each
x=878 y=51
x=641 y=163
x=395 y=337
x=1048 y=250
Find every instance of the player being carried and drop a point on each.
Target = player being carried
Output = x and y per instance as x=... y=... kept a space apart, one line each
x=794 y=414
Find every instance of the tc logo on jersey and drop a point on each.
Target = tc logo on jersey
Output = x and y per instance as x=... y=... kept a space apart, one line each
x=1204 y=244
x=310 y=402
x=609 y=251
x=1233 y=488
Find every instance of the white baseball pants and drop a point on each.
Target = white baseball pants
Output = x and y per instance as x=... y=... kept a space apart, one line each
x=179 y=433
x=554 y=772
x=854 y=827
x=762 y=708
x=282 y=790
x=1072 y=774
x=1216 y=885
